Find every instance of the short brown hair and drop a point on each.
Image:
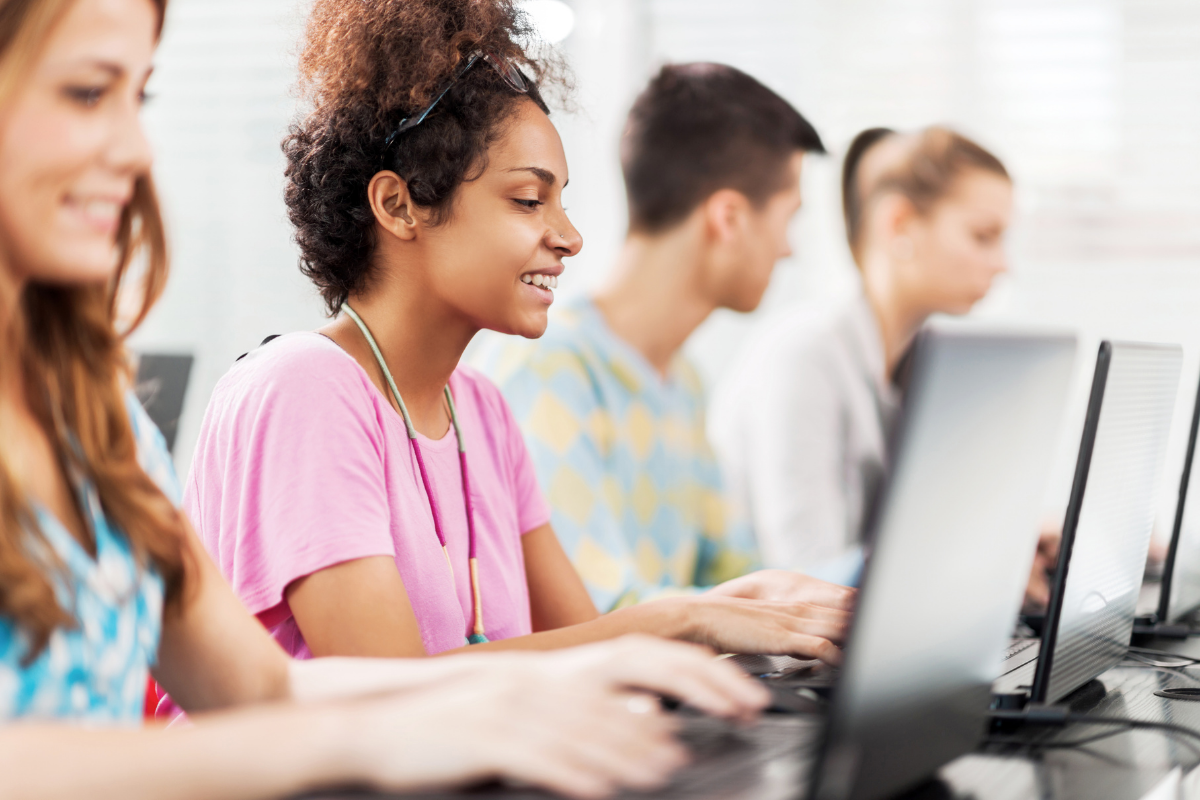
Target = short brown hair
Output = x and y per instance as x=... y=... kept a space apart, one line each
x=924 y=172
x=699 y=128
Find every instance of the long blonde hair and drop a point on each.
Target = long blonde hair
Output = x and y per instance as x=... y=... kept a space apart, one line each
x=76 y=372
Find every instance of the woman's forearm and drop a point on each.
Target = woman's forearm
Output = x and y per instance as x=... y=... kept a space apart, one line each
x=236 y=756
x=668 y=618
x=335 y=677
x=723 y=623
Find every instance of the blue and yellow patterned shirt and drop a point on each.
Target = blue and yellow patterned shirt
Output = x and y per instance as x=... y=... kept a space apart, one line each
x=622 y=456
x=96 y=670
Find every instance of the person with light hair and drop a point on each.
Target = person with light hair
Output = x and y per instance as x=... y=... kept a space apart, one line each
x=801 y=424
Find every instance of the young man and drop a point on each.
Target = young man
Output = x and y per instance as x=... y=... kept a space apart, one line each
x=612 y=412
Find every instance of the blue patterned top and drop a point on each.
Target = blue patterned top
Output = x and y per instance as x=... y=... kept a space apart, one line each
x=96 y=671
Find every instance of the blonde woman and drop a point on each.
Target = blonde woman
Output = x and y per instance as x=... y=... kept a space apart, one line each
x=801 y=425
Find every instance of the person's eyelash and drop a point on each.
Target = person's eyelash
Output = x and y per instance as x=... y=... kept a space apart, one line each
x=530 y=204
x=87 y=95
x=145 y=97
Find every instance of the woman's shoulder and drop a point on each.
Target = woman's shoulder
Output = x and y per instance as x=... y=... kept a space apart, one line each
x=298 y=381
x=300 y=354
x=303 y=363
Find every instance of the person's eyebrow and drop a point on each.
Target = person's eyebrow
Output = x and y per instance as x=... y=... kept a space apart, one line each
x=544 y=175
x=112 y=68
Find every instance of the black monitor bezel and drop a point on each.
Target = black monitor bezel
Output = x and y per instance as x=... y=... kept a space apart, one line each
x=1083 y=463
x=1164 y=597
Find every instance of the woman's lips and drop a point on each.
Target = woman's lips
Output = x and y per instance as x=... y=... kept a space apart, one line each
x=102 y=214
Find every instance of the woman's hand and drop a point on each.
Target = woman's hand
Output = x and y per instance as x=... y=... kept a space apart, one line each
x=789 y=587
x=572 y=738
x=571 y=721
x=685 y=672
x=740 y=625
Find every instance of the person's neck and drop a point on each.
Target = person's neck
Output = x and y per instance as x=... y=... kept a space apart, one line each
x=653 y=298
x=421 y=342
x=898 y=317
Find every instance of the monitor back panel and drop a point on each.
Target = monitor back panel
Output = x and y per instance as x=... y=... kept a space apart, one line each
x=1181 y=574
x=954 y=532
x=1107 y=557
x=161 y=386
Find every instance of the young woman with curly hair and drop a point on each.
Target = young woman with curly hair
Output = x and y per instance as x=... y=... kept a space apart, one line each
x=366 y=494
x=101 y=578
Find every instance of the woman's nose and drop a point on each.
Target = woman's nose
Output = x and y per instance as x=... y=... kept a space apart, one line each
x=565 y=238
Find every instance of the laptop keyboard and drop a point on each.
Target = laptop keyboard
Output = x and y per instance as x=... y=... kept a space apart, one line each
x=770 y=760
x=1018 y=646
x=761 y=666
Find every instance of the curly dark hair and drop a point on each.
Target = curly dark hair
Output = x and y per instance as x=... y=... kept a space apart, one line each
x=364 y=66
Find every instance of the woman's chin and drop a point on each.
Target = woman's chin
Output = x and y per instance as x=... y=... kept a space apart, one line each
x=529 y=326
x=534 y=327
x=74 y=266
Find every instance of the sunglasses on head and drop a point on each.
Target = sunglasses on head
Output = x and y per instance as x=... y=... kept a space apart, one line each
x=503 y=67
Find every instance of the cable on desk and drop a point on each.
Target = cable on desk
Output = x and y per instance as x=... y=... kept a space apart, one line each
x=1055 y=744
x=1174 y=672
x=1058 y=715
x=1144 y=653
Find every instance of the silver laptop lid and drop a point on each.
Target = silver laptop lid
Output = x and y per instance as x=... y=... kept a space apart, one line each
x=954 y=533
x=1106 y=535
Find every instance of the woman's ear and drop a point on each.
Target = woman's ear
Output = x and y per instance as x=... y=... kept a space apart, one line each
x=390 y=203
x=892 y=217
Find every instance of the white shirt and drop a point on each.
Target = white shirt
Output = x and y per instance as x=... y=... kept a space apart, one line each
x=801 y=427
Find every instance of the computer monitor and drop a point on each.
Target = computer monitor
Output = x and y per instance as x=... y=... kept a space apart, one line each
x=1110 y=516
x=161 y=386
x=1179 y=595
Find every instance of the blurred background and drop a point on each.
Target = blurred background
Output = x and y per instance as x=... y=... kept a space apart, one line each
x=1094 y=105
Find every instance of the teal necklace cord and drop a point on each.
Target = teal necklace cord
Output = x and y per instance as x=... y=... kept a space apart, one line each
x=477 y=636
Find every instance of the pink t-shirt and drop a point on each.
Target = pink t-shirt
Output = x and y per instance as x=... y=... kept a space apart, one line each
x=303 y=464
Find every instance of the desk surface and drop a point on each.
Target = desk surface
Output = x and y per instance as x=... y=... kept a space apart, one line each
x=1123 y=766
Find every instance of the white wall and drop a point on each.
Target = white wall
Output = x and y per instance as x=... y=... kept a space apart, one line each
x=220 y=107
x=1094 y=105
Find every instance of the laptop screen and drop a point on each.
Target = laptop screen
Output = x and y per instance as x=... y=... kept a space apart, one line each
x=954 y=535
x=1114 y=500
x=1182 y=574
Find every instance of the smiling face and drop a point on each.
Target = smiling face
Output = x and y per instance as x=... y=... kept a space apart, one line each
x=496 y=260
x=72 y=146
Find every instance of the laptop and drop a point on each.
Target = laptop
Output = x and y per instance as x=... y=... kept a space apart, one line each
x=1168 y=604
x=1106 y=532
x=161 y=386
x=972 y=453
